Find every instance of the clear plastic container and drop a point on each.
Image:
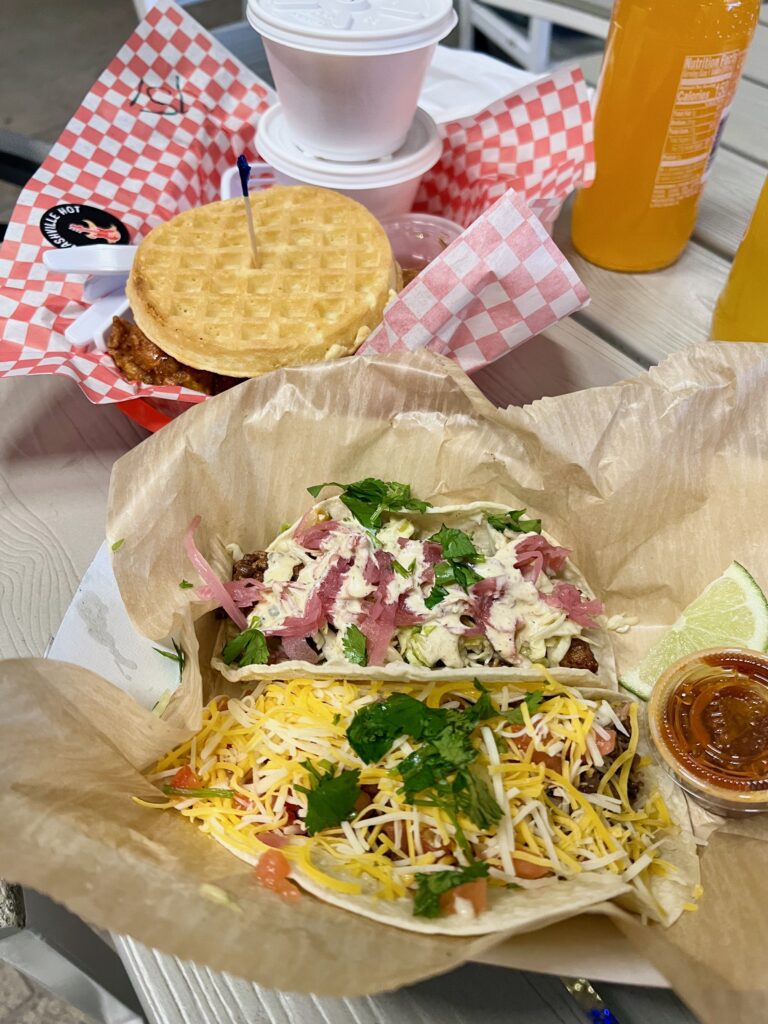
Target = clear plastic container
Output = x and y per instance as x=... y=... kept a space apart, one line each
x=387 y=187
x=418 y=238
x=708 y=719
x=349 y=72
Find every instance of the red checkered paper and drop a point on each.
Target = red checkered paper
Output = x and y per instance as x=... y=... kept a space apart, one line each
x=173 y=111
x=497 y=285
x=537 y=141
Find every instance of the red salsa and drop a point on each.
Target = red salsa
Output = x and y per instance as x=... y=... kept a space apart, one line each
x=715 y=721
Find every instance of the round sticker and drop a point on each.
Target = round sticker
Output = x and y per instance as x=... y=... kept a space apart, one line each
x=71 y=224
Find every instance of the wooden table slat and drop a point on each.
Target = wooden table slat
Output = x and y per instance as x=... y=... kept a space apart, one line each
x=649 y=316
x=729 y=198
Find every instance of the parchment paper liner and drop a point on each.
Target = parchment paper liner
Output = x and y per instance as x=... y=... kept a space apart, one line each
x=657 y=483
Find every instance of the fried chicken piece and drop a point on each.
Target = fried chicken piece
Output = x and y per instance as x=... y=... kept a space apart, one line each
x=138 y=358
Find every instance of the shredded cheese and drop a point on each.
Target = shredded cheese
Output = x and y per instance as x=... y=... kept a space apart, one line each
x=256 y=746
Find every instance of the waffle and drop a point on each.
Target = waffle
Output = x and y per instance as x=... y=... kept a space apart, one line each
x=324 y=274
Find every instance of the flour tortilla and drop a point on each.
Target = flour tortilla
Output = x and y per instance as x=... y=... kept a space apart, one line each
x=464 y=517
x=516 y=911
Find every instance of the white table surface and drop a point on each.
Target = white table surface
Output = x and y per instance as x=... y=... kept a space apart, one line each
x=57 y=450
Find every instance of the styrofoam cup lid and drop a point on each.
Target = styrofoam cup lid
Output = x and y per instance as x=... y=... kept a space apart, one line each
x=420 y=151
x=353 y=26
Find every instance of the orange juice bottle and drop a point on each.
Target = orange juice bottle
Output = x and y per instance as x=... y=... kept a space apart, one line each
x=741 y=313
x=667 y=81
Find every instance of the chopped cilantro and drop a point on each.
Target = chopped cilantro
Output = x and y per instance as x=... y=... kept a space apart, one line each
x=514 y=521
x=186 y=585
x=456 y=544
x=369 y=499
x=375 y=727
x=354 y=644
x=331 y=798
x=531 y=700
x=473 y=798
x=431 y=886
x=457 y=549
x=180 y=656
x=435 y=596
x=247 y=648
x=118 y=544
x=465 y=575
x=336 y=719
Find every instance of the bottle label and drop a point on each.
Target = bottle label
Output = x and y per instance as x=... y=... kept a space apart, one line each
x=704 y=93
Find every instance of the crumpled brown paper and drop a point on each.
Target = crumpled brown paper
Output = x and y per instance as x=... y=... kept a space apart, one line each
x=656 y=483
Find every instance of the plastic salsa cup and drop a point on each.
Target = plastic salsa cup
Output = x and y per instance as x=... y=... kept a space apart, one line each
x=349 y=72
x=419 y=238
x=708 y=719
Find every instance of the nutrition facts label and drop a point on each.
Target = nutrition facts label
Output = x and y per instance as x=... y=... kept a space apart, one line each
x=704 y=94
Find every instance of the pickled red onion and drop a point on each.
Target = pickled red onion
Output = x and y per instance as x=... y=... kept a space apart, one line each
x=218 y=590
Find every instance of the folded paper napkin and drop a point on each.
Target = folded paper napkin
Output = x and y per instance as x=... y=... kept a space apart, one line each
x=173 y=111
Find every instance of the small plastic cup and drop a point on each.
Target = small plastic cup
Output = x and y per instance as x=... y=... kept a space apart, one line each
x=349 y=72
x=708 y=720
x=387 y=187
x=418 y=238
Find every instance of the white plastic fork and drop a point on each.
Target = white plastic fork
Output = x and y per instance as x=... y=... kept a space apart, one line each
x=91 y=259
x=91 y=327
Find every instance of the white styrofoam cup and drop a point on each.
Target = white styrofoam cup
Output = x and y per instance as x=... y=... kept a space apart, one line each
x=387 y=186
x=349 y=74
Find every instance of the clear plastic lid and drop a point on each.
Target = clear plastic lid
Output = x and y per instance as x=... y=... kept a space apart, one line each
x=353 y=26
x=420 y=151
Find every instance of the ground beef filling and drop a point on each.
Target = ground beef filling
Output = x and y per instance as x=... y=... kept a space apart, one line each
x=140 y=359
x=251 y=566
x=590 y=779
x=579 y=655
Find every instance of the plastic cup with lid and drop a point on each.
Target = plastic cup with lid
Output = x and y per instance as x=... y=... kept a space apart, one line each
x=349 y=72
x=387 y=186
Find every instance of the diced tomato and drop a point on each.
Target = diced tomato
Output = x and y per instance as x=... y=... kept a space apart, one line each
x=525 y=869
x=476 y=892
x=606 y=745
x=186 y=778
x=272 y=873
x=553 y=761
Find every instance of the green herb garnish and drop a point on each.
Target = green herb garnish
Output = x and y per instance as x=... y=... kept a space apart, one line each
x=226 y=794
x=435 y=596
x=431 y=886
x=401 y=569
x=514 y=521
x=458 y=550
x=186 y=585
x=369 y=499
x=118 y=544
x=456 y=544
x=247 y=648
x=180 y=656
x=331 y=798
x=354 y=644
x=531 y=700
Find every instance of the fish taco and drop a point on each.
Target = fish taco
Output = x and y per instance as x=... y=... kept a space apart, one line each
x=447 y=807
x=375 y=583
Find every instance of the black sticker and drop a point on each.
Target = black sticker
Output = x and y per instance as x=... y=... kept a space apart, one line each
x=71 y=224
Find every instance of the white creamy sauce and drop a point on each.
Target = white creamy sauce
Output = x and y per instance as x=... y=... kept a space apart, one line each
x=521 y=627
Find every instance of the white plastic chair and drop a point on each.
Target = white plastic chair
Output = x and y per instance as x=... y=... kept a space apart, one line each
x=531 y=49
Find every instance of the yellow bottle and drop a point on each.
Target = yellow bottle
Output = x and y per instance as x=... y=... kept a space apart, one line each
x=741 y=313
x=667 y=81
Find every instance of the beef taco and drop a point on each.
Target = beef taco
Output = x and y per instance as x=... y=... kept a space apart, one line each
x=449 y=807
x=376 y=582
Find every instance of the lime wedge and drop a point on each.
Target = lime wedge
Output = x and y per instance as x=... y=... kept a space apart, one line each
x=731 y=611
